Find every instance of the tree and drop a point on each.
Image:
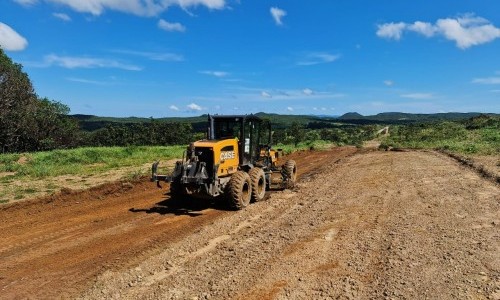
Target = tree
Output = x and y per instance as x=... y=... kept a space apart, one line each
x=296 y=132
x=26 y=122
x=18 y=103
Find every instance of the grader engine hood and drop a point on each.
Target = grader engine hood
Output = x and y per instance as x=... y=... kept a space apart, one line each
x=224 y=154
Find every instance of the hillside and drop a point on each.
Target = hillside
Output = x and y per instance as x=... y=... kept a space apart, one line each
x=90 y=122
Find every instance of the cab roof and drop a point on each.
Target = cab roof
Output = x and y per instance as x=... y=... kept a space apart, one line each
x=233 y=117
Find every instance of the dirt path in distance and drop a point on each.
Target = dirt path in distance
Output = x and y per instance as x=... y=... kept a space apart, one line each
x=58 y=246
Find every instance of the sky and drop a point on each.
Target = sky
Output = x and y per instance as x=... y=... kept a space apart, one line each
x=164 y=58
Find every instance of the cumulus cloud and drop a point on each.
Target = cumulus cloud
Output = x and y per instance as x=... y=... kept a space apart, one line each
x=136 y=7
x=488 y=80
x=418 y=96
x=289 y=108
x=71 y=62
x=391 y=30
x=218 y=74
x=62 y=16
x=277 y=15
x=388 y=82
x=10 y=40
x=194 y=107
x=424 y=28
x=315 y=58
x=466 y=31
x=173 y=107
x=167 y=26
x=307 y=92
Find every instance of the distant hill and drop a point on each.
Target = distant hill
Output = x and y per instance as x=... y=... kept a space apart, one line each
x=90 y=122
x=398 y=117
x=351 y=116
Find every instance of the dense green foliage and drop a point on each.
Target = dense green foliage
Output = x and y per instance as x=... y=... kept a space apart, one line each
x=28 y=123
x=479 y=135
x=150 y=133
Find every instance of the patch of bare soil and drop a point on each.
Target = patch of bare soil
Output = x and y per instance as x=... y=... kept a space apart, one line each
x=378 y=225
x=61 y=246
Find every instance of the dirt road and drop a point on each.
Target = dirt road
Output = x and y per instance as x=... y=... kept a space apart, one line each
x=371 y=225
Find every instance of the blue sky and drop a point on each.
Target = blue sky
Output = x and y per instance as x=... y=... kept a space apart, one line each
x=188 y=57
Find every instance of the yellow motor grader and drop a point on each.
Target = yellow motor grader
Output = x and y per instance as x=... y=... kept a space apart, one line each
x=235 y=162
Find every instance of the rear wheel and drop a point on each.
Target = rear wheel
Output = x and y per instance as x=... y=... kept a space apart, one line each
x=290 y=169
x=258 y=179
x=239 y=190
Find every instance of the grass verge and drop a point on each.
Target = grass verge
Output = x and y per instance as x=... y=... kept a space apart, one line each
x=82 y=161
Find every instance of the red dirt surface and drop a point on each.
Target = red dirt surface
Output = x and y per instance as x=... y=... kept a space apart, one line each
x=56 y=247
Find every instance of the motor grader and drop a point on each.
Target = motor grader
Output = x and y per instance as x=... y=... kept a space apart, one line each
x=235 y=162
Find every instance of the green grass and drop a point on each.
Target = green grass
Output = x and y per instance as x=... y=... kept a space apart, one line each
x=84 y=161
x=316 y=145
x=476 y=136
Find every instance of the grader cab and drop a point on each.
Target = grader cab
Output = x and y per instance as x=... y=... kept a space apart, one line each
x=235 y=162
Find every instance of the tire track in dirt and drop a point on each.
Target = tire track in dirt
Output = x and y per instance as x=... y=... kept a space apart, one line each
x=57 y=246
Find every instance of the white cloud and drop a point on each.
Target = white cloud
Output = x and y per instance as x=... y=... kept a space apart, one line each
x=391 y=30
x=307 y=92
x=167 y=26
x=219 y=74
x=62 y=16
x=10 y=40
x=265 y=94
x=87 y=81
x=466 y=31
x=173 y=107
x=277 y=14
x=159 y=56
x=136 y=7
x=315 y=58
x=418 y=96
x=85 y=62
x=194 y=107
x=424 y=28
x=489 y=80
x=289 y=108
x=388 y=82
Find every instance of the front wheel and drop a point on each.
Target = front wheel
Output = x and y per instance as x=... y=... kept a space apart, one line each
x=258 y=179
x=239 y=190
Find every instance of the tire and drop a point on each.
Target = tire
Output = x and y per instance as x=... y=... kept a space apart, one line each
x=239 y=190
x=258 y=180
x=290 y=170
